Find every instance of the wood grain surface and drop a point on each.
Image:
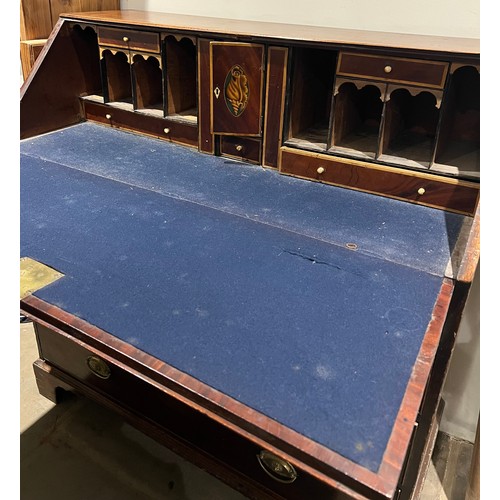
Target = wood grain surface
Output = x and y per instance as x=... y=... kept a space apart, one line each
x=294 y=32
x=450 y=194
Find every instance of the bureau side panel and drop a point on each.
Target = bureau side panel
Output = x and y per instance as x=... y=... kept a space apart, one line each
x=67 y=67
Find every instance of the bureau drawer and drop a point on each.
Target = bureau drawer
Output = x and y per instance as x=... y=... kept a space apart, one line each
x=241 y=147
x=186 y=430
x=163 y=128
x=129 y=39
x=393 y=69
x=422 y=188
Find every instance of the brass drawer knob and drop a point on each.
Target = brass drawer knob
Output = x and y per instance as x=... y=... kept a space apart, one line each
x=279 y=469
x=98 y=367
x=239 y=147
x=166 y=130
x=108 y=117
x=388 y=69
x=421 y=191
x=320 y=170
x=125 y=39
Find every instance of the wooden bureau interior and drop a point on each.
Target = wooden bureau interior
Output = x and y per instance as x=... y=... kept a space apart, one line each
x=305 y=139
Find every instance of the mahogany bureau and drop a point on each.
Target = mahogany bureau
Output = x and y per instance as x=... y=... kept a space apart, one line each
x=254 y=241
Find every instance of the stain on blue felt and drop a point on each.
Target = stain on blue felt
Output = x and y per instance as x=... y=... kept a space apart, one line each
x=412 y=235
x=316 y=336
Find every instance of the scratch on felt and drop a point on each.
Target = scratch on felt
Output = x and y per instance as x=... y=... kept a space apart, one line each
x=312 y=259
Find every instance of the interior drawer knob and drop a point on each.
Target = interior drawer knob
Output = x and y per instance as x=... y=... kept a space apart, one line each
x=166 y=130
x=126 y=39
x=239 y=147
x=279 y=469
x=388 y=69
x=108 y=117
x=320 y=170
x=98 y=367
x=421 y=191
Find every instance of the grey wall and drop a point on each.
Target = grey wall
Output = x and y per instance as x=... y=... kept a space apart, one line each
x=456 y=18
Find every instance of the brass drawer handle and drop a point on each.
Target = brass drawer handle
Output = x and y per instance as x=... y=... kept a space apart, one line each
x=126 y=39
x=98 y=367
x=108 y=116
x=166 y=130
x=320 y=170
x=388 y=69
x=421 y=191
x=239 y=147
x=279 y=469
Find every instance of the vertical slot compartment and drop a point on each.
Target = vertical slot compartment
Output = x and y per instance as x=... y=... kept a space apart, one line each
x=148 y=83
x=357 y=117
x=118 y=81
x=410 y=125
x=181 y=98
x=459 y=136
x=312 y=79
x=84 y=39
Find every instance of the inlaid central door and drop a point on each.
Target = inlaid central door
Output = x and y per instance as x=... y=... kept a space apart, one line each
x=237 y=79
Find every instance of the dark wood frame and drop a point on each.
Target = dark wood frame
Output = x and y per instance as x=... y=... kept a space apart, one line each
x=402 y=459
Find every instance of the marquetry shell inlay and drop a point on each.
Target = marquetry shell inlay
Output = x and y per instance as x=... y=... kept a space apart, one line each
x=236 y=90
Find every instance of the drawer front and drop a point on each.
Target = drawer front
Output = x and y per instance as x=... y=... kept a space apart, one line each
x=203 y=435
x=393 y=69
x=163 y=128
x=242 y=148
x=428 y=190
x=129 y=39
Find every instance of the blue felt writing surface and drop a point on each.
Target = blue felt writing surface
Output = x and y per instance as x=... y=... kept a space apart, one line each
x=319 y=337
x=401 y=232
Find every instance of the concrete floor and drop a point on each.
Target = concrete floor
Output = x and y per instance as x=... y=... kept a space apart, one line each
x=78 y=450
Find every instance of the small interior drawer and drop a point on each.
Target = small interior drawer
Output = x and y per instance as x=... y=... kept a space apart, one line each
x=129 y=39
x=393 y=69
x=162 y=128
x=241 y=147
x=425 y=189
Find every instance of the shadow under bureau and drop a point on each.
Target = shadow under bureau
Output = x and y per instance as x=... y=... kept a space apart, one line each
x=286 y=328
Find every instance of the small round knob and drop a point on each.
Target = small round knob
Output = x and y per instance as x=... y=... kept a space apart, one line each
x=320 y=170
x=239 y=147
x=108 y=116
x=125 y=38
x=388 y=69
x=166 y=130
x=421 y=191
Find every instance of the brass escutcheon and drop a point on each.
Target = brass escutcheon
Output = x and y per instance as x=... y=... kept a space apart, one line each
x=279 y=469
x=98 y=367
